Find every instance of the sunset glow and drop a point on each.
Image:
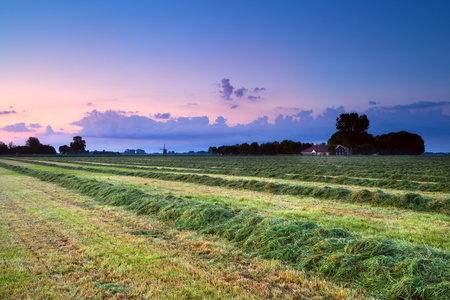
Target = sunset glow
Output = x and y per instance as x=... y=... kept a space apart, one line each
x=193 y=74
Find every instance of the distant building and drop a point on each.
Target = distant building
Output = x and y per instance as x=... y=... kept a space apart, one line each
x=316 y=150
x=342 y=150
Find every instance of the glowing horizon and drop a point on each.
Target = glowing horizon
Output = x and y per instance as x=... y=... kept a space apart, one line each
x=262 y=73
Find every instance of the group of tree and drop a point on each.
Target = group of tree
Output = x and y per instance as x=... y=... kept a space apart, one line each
x=271 y=148
x=352 y=133
x=398 y=143
x=134 y=152
x=78 y=146
x=32 y=146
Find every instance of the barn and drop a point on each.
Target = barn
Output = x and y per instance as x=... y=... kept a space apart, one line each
x=342 y=150
x=316 y=150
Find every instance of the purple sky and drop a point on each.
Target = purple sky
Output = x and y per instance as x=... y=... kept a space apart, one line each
x=194 y=74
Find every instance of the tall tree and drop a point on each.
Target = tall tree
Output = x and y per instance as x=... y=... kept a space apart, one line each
x=352 y=123
x=78 y=145
x=4 y=148
x=352 y=133
x=34 y=144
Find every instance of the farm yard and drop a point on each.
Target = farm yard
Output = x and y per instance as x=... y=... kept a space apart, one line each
x=225 y=227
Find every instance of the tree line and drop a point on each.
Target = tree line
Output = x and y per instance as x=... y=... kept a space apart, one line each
x=352 y=133
x=270 y=148
x=32 y=146
x=78 y=146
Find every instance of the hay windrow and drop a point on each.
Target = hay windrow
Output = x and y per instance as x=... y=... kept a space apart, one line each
x=409 y=201
x=379 y=266
x=436 y=182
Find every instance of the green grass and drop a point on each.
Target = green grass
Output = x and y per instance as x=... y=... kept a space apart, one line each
x=404 y=227
x=57 y=244
x=408 y=200
x=378 y=265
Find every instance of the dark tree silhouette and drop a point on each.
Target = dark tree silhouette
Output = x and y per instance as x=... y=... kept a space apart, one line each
x=34 y=145
x=398 y=143
x=253 y=149
x=352 y=123
x=244 y=148
x=4 y=148
x=64 y=149
x=352 y=133
x=270 y=148
x=78 y=145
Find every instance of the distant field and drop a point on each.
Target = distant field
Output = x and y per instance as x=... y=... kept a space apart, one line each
x=281 y=227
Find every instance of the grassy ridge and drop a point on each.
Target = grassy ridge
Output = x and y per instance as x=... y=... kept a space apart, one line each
x=378 y=265
x=410 y=201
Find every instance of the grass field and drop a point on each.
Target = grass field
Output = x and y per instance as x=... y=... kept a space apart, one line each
x=281 y=227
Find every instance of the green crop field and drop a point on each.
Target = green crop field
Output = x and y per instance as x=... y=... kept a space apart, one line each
x=212 y=227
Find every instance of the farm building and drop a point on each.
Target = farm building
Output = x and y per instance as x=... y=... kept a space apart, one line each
x=342 y=150
x=316 y=150
x=322 y=150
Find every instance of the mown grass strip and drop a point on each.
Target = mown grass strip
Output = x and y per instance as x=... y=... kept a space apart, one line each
x=83 y=249
x=396 y=168
x=379 y=266
x=411 y=201
x=394 y=181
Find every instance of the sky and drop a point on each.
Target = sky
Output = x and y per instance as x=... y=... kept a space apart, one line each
x=193 y=74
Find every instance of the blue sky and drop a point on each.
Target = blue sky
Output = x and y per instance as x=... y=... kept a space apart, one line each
x=193 y=74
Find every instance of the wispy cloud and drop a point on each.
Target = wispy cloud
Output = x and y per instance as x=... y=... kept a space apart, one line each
x=18 y=127
x=418 y=105
x=49 y=130
x=240 y=92
x=253 y=98
x=227 y=89
x=163 y=116
x=7 y=112
x=286 y=108
x=35 y=125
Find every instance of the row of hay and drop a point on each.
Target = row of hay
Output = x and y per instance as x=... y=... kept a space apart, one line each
x=409 y=201
x=392 y=183
x=381 y=183
x=378 y=266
